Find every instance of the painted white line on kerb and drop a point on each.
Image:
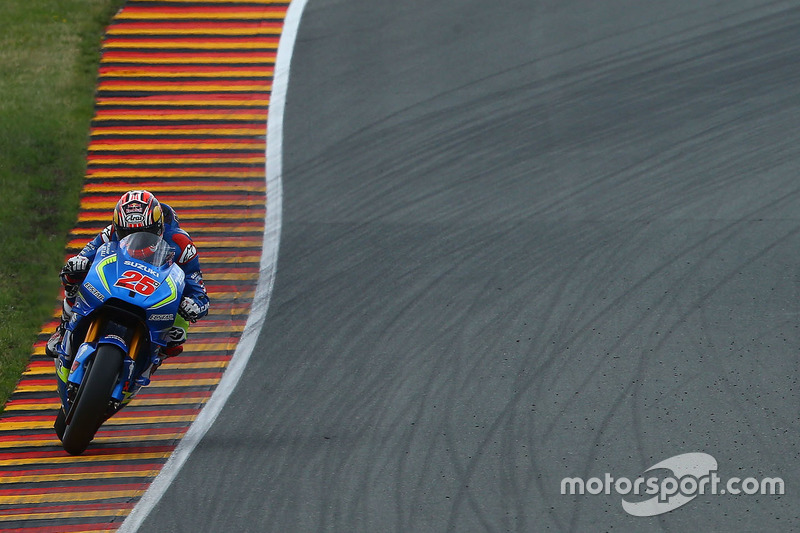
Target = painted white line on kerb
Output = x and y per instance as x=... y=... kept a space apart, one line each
x=266 y=280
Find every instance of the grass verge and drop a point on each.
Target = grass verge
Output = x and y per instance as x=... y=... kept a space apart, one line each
x=49 y=52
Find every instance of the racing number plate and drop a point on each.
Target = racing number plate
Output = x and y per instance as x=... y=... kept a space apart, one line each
x=137 y=282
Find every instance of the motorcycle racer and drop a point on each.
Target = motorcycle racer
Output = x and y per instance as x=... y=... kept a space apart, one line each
x=140 y=211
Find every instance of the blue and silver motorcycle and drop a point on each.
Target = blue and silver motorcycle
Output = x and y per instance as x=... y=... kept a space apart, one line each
x=122 y=317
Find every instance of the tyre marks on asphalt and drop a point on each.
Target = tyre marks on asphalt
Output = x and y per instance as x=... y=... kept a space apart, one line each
x=181 y=109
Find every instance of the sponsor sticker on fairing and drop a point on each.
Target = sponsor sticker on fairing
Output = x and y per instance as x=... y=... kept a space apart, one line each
x=97 y=294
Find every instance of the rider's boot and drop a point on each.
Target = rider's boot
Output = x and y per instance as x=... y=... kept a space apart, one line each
x=56 y=338
x=174 y=347
x=163 y=355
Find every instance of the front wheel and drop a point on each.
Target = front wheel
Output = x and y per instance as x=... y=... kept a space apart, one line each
x=60 y=424
x=91 y=402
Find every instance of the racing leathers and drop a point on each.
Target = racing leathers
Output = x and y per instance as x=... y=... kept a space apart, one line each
x=194 y=304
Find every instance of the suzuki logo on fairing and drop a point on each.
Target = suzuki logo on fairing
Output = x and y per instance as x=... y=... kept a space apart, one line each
x=142 y=267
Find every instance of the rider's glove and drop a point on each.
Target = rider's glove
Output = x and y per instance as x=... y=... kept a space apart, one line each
x=75 y=270
x=189 y=309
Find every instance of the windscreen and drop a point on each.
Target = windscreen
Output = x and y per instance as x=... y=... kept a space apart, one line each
x=147 y=247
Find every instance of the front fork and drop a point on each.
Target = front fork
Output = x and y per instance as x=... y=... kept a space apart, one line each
x=71 y=372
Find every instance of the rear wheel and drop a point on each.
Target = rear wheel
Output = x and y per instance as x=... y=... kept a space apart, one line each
x=91 y=402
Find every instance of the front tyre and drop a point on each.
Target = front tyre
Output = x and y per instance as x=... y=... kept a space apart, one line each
x=60 y=424
x=91 y=402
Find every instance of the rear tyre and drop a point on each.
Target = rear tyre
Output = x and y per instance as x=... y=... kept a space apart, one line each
x=91 y=402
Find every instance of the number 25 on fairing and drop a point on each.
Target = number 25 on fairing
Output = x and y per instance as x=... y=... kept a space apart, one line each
x=137 y=282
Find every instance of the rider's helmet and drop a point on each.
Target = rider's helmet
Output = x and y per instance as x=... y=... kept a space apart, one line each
x=138 y=211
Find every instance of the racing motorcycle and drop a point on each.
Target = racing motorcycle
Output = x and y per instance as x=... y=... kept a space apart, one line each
x=125 y=308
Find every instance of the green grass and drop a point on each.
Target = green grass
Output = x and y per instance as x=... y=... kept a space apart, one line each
x=49 y=50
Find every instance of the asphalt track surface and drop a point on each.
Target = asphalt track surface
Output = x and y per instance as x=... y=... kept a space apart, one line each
x=521 y=241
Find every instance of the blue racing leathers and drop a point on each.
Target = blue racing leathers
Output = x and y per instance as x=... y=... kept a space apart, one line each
x=185 y=256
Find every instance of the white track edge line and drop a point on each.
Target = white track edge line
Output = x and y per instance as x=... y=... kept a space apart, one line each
x=266 y=280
